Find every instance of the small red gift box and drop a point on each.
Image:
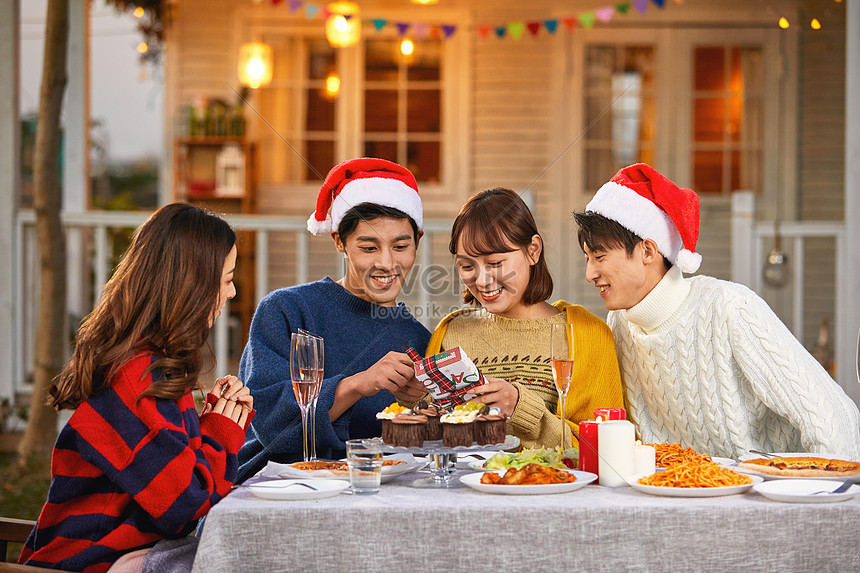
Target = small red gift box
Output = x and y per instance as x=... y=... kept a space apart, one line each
x=610 y=413
x=448 y=376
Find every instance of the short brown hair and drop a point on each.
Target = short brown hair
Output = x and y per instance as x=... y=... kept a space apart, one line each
x=490 y=222
x=600 y=233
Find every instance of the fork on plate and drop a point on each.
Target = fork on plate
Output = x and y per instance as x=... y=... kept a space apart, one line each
x=843 y=487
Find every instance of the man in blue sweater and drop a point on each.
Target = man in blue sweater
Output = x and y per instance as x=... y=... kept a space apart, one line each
x=376 y=220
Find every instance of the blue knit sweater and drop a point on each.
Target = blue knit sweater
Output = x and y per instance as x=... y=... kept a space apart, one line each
x=357 y=334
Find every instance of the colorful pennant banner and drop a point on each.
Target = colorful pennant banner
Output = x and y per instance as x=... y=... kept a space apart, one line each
x=513 y=30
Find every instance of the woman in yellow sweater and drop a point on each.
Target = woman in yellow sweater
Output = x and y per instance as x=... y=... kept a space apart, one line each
x=499 y=256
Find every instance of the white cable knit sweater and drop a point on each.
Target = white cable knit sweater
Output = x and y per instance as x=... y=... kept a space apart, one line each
x=707 y=363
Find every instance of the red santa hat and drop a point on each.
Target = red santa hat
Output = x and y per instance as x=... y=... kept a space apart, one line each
x=646 y=203
x=365 y=180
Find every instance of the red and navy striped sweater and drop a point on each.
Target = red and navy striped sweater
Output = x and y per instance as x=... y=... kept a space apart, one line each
x=127 y=473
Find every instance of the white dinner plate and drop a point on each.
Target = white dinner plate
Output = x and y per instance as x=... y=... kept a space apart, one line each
x=473 y=480
x=724 y=461
x=276 y=470
x=289 y=489
x=799 y=491
x=689 y=491
x=855 y=478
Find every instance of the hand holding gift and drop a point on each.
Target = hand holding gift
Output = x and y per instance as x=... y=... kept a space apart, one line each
x=449 y=376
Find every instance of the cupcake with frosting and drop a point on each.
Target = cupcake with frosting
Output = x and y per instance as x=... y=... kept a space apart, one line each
x=385 y=418
x=434 y=414
x=458 y=428
x=490 y=427
x=408 y=430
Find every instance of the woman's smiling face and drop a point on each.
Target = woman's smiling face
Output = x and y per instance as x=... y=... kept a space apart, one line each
x=498 y=281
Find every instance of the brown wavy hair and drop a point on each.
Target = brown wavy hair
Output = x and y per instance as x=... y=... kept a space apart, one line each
x=160 y=299
x=490 y=222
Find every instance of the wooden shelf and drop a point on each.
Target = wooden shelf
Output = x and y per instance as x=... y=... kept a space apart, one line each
x=194 y=162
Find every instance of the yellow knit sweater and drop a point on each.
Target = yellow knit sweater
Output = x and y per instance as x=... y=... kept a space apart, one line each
x=518 y=351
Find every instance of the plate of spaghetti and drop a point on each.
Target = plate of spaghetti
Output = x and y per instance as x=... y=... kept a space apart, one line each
x=668 y=454
x=693 y=478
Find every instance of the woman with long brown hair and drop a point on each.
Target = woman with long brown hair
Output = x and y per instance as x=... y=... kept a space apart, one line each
x=500 y=259
x=135 y=464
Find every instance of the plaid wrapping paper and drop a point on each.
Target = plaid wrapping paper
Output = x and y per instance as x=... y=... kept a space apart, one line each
x=448 y=376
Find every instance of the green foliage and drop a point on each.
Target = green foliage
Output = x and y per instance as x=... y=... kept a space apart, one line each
x=150 y=25
x=23 y=491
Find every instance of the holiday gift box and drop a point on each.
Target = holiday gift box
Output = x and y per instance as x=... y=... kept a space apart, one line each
x=448 y=376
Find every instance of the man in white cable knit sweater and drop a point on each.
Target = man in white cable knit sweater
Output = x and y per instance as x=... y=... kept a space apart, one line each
x=704 y=362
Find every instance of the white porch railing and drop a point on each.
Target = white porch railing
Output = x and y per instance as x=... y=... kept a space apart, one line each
x=26 y=264
x=749 y=236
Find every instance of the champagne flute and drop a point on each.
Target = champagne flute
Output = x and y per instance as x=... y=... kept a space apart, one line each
x=561 y=356
x=306 y=372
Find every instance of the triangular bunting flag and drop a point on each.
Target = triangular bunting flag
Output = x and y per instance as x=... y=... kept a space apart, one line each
x=346 y=17
x=551 y=26
x=311 y=10
x=326 y=14
x=641 y=5
x=516 y=30
x=605 y=14
x=587 y=20
x=659 y=3
x=295 y=5
x=275 y=2
x=483 y=32
x=402 y=27
x=569 y=22
x=379 y=24
x=449 y=29
x=435 y=33
x=500 y=31
x=421 y=30
x=623 y=8
x=534 y=28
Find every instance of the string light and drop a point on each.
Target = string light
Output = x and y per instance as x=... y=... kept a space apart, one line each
x=407 y=47
x=332 y=86
x=142 y=48
x=815 y=24
x=343 y=27
x=138 y=12
x=783 y=23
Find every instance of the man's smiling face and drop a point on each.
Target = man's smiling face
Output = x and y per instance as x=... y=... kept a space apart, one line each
x=379 y=254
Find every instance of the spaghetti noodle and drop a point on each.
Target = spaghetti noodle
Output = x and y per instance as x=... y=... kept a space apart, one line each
x=668 y=454
x=696 y=473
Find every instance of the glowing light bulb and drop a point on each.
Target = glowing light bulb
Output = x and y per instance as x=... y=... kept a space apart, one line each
x=783 y=23
x=142 y=48
x=815 y=24
x=332 y=85
x=407 y=47
x=138 y=12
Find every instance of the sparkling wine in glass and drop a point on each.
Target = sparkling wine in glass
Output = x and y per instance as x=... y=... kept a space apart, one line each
x=561 y=357
x=306 y=372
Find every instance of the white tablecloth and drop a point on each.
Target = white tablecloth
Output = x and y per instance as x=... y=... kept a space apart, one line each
x=404 y=528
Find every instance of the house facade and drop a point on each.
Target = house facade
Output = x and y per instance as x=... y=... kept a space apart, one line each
x=548 y=98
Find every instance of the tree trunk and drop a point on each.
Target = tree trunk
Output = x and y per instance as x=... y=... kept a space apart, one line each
x=50 y=348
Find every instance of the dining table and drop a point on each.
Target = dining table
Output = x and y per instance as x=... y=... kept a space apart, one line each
x=595 y=528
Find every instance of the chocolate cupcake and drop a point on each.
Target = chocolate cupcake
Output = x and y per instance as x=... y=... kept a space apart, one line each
x=434 y=425
x=385 y=418
x=458 y=428
x=408 y=430
x=490 y=428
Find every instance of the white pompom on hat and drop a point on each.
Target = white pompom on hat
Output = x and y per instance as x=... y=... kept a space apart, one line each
x=365 y=180
x=648 y=204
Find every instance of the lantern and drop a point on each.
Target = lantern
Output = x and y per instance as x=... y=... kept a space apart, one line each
x=255 y=64
x=343 y=27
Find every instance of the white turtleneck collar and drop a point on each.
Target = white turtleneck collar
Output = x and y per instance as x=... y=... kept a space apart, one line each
x=661 y=303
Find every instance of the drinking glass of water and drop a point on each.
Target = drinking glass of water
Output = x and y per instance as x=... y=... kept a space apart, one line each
x=364 y=458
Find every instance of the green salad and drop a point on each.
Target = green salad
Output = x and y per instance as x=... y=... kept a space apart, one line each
x=569 y=459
